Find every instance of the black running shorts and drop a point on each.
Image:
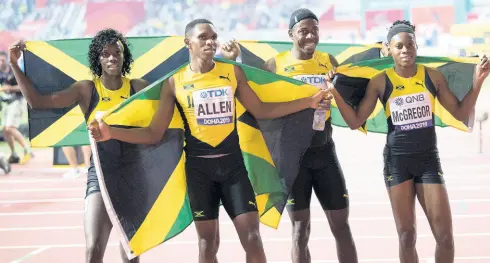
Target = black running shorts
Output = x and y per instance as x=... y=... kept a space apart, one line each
x=225 y=179
x=423 y=168
x=320 y=170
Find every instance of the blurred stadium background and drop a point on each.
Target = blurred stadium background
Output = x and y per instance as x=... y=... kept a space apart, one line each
x=445 y=27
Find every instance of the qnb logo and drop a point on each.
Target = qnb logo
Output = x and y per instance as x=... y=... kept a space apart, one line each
x=399 y=101
x=414 y=98
x=214 y=93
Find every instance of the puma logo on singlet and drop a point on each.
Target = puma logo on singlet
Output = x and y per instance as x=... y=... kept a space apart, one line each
x=227 y=77
x=419 y=83
x=124 y=97
x=322 y=65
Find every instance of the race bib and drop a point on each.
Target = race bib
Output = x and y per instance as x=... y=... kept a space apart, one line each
x=315 y=80
x=411 y=112
x=214 y=106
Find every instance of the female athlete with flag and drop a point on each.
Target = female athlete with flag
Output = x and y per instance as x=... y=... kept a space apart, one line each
x=110 y=61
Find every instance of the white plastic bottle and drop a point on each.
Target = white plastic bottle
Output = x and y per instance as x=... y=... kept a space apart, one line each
x=319 y=119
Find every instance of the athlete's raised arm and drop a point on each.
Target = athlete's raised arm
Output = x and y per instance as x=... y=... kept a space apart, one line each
x=265 y=110
x=460 y=110
x=36 y=100
x=356 y=117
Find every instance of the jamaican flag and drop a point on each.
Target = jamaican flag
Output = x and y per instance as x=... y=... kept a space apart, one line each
x=54 y=65
x=144 y=186
x=255 y=53
x=352 y=80
x=152 y=207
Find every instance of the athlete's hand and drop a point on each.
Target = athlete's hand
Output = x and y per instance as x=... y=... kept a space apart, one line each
x=482 y=69
x=385 y=49
x=321 y=100
x=230 y=50
x=15 y=50
x=99 y=130
x=328 y=83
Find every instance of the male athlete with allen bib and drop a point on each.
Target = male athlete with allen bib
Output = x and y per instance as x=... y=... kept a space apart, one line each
x=204 y=93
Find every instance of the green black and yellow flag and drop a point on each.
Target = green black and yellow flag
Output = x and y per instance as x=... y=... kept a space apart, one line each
x=54 y=65
x=140 y=206
x=352 y=80
x=140 y=183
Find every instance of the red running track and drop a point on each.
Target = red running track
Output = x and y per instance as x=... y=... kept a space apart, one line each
x=41 y=219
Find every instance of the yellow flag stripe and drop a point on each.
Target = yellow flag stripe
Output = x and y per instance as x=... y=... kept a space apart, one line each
x=447 y=118
x=280 y=91
x=59 y=129
x=379 y=107
x=72 y=68
x=261 y=201
x=271 y=218
x=240 y=109
x=163 y=213
x=155 y=56
x=262 y=50
x=59 y=60
x=358 y=72
x=350 y=51
x=139 y=113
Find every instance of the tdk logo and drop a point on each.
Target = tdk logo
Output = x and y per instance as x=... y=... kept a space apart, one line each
x=214 y=93
x=313 y=80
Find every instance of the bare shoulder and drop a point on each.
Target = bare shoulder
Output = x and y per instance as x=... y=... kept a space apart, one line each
x=270 y=65
x=84 y=87
x=239 y=73
x=434 y=73
x=378 y=80
x=436 y=76
x=139 y=84
x=168 y=86
x=377 y=84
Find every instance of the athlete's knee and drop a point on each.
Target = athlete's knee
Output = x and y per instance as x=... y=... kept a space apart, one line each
x=339 y=223
x=445 y=240
x=407 y=237
x=208 y=245
x=94 y=251
x=250 y=237
x=301 y=233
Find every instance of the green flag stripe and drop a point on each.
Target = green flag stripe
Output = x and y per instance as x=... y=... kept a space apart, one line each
x=183 y=220
x=77 y=136
x=141 y=45
x=75 y=48
x=263 y=176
